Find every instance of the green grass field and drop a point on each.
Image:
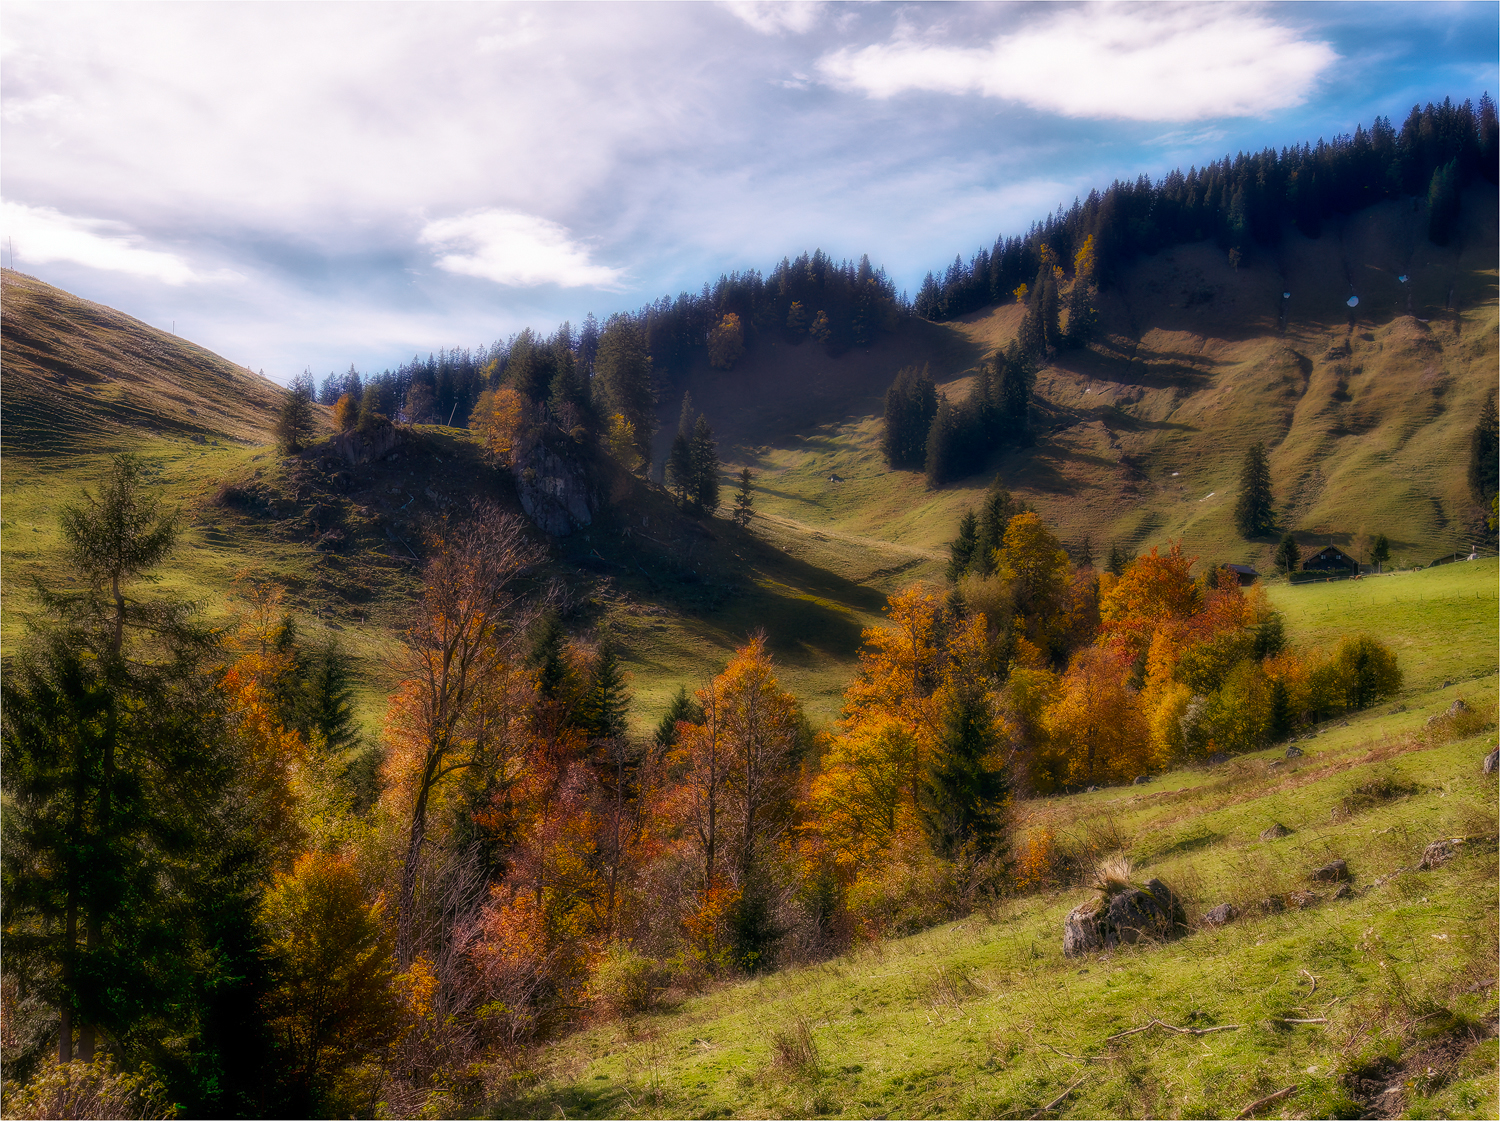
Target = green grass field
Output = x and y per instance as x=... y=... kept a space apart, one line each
x=986 y=1018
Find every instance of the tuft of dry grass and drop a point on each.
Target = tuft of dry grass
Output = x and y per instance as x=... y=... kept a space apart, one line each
x=794 y=1050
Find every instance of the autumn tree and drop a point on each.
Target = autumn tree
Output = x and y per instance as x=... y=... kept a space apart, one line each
x=1035 y=565
x=501 y=419
x=345 y=413
x=726 y=342
x=1096 y=723
x=456 y=648
x=1153 y=589
x=333 y=1002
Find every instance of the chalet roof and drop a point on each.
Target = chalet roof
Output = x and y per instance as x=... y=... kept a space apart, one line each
x=1331 y=552
x=1242 y=569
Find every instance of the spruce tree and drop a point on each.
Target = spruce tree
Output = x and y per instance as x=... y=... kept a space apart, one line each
x=743 y=498
x=961 y=549
x=622 y=373
x=910 y=404
x=1254 y=512
x=1484 y=454
x=1380 y=552
x=683 y=709
x=605 y=702
x=294 y=423
x=680 y=458
x=1288 y=557
x=705 y=467
x=995 y=514
x=1119 y=560
x=961 y=804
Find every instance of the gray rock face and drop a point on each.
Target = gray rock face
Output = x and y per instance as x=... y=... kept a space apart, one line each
x=553 y=492
x=1332 y=872
x=1439 y=853
x=1275 y=831
x=366 y=447
x=1294 y=753
x=1152 y=913
x=1223 y=913
x=1492 y=762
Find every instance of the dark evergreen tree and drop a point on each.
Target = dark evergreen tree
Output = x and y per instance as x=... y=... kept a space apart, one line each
x=910 y=405
x=1484 y=454
x=294 y=423
x=1443 y=203
x=995 y=514
x=961 y=549
x=1380 y=551
x=942 y=444
x=705 y=467
x=962 y=802
x=622 y=371
x=744 y=498
x=1254 y=509
x=1118 y=561
x=1288 y=557
x=547 y=655
x=1083 y=314
x=679 y=470
x=684 y=709
x=602 y=712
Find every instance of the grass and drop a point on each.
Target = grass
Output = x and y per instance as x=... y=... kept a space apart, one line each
x=985 y=1017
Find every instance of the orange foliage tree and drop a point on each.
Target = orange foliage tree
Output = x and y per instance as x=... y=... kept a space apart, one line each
x=447 y=715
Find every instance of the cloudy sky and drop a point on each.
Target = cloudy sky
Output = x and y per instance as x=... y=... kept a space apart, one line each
x=310 y=185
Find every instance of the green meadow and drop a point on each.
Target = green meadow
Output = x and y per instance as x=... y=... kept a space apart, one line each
x=1380 y=1003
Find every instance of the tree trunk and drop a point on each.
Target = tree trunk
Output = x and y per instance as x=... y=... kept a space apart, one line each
x=404 y=919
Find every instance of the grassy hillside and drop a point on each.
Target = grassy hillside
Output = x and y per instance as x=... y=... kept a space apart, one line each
x=1139 y=438
x=1366 y=411
x=1380 y=1003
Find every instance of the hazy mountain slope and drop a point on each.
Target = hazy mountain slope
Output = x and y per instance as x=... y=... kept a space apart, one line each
x=77 y=372
x=1366 y=412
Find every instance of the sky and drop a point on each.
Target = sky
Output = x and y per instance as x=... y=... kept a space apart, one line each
x=309 y=186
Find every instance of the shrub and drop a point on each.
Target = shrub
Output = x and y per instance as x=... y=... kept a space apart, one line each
x=94 y=1089
x=626 y=983
x=1367 y=671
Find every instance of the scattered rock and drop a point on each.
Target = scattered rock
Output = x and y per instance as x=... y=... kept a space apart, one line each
x=1302 y=900
x=1218 y=757
x=1141 y=780
x=1332 y=872
x=1223 y=913
x=1090 y=790
x=1492 y=762
x=1398 y=708
x=1446 y=684
x=1439 y=853
x=1343 y=724
x=1274 y=831
x=1124 y=918
x=1457 y=706
x=1344 y=892
x=1294 y=753
x=1272 y=905
x=331 y=541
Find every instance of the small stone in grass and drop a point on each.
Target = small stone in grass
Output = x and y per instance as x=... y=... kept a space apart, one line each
x=1302 y=900
x=1492 y=762
x=1344 y=892
x=1223 y=913
x=1332 y=871
x=1274 y=831
x=1439 y=853
x=1272 y=904
x=1294 y=753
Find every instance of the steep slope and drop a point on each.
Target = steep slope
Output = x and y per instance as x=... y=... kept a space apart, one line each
x=78 y=374
x=1366 y=411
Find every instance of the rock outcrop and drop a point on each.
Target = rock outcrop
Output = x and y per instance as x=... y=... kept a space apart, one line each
x=554 y=491
x=1124 y=917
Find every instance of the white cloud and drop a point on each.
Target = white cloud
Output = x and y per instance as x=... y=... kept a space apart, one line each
x=1154 y=63
x=41 y=235
x=514 y=249
x=774 y=17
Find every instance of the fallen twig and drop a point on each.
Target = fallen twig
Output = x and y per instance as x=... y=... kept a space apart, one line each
x=1311 y=978
x=1064 y=1054
x=1169 y=1027
x=1057 y=1101
x=1249 y=1110
x=1317 y=1020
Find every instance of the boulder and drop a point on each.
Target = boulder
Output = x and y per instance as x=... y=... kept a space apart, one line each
x=358 y=448
x=1141 y=780
x=1223 y=913
x=1457 y=706
x=1294 y=753
x=1274 y=831
x=1129 y=915
x=1272 y=905
x=1439 y=853
x=1492 y=762
x=1332 y=872
x=1301 y=900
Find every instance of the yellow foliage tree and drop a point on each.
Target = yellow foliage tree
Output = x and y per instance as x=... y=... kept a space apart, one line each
x=500 y=419
x=333 y=1002
x=726 y=342
x=1032 y=561
x=1096 y=723
x=621 y=441
x=1085 y=260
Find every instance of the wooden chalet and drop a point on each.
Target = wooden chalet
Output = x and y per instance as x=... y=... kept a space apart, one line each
x=1245 y=573
x=1330 y=559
